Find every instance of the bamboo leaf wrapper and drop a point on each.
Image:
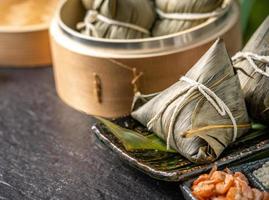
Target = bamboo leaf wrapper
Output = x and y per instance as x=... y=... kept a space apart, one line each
x=199 y=133
x=165 y=26
x=255 y=84
x=118 y=19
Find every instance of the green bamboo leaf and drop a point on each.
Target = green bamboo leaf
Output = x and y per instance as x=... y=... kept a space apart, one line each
x=256 y=126
x=257 y=130
x=132 y=140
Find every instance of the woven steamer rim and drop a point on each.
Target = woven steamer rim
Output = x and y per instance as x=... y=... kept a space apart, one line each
x=25 y=29
x=81 y=36
x=142 y=48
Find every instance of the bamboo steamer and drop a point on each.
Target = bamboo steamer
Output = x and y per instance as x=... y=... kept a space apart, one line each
x=24 y=38
x=100 y=76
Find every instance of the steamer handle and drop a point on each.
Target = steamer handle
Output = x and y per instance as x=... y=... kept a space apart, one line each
x=97 y=87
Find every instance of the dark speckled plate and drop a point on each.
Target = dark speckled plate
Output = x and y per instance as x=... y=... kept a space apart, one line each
x=174 y=167
x=246 y=168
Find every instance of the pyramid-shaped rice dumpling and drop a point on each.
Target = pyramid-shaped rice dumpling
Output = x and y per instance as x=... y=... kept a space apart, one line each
x=253 y=63
x=171 y=24
x=201 y=114
x=118 y=19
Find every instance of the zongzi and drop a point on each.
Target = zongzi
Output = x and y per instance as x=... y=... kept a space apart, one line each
x=179 y=15
x=252 y=64
x=201 y=114
x=118 y=19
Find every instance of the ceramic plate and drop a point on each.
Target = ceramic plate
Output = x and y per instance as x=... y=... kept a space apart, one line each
x=174 y=167
x=246 y=168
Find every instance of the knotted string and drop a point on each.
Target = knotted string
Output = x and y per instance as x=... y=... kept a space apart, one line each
x=196 y=16
x=135 y=81
x=136 y=76
x=212 y=98
x=251 y=58
x=93 y=16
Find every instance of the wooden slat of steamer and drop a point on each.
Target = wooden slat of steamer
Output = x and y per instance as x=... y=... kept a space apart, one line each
x=25 y=49
x=24 y=39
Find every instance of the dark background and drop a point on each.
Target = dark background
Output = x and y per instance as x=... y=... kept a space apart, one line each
x=47 y=150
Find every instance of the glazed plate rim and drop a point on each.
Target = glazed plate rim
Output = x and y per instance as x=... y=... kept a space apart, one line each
x=172 y=176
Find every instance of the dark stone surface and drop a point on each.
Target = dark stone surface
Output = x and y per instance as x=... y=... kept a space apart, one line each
x=48 y=152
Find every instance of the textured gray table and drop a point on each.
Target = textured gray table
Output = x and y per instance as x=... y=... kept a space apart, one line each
x=48 y=152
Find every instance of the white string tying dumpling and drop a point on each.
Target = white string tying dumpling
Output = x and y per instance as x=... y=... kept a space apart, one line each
x=93 y=16
x=211 y=97
x=251 y=58
x=203 y=113
x=117 y=19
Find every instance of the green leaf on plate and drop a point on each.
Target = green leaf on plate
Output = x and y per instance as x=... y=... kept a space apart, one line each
x=132 y=140
x=256 y=126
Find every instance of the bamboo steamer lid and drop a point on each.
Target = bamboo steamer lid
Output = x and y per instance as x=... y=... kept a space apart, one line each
x=100 y=76
x=24 y=38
